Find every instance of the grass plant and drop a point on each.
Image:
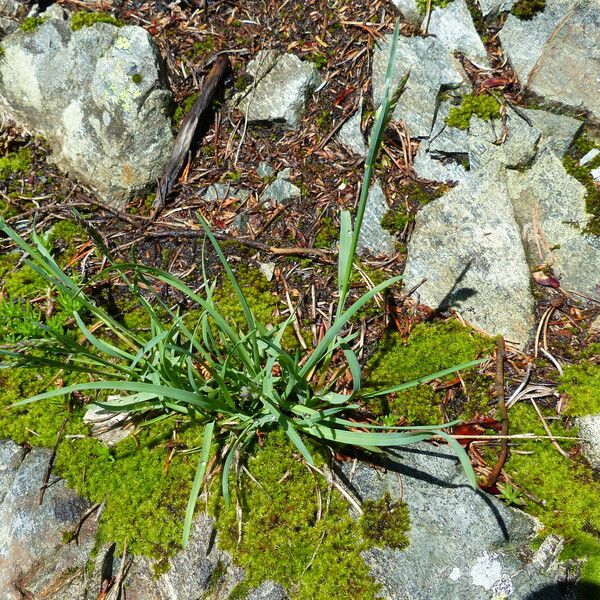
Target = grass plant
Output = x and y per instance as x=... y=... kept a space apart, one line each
x=234 y=381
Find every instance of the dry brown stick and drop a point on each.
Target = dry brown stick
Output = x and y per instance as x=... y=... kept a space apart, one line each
x=185 y=138
x=51 y=462
x=294 y=250
x=495 y=472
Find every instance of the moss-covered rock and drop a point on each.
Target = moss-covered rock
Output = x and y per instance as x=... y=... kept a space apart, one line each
x=87 y=19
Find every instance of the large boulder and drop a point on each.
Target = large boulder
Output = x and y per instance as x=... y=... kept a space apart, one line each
x=98 y=95
x=556 y=55
x=467 y=245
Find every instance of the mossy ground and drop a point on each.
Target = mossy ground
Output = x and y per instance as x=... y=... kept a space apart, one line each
x=430 y=348
x=484 y=106
x=283 y=537
x=581 y=384
x=566 y=491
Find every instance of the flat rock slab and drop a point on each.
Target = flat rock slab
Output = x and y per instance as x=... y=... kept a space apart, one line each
x=432 y=68
x=282 y=83
x=98 y=95
x=33 y=556
x=556 y=54
x=463 y=543
x=468 y=246
x=557 y=132
x=549 y=206
x=453 y=27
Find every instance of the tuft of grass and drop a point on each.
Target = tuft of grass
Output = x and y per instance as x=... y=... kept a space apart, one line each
x=234 y=382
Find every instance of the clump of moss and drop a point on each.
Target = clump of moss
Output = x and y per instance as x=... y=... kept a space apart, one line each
x=318 y=59
x=484 y=106
x=566 y=490
x=429 y=348
x=421 y=194
x=396 y=219
x=87 y=19
x=137 y=78
x=422 y=5
x=184 y=108
x=283 y=536
x=323 y=119
x=527 y=9
x=385 y=522
x=15 y=162
x=581 y=383
x=31 y=23
x=583 y=174
x=327 y=234
x=202 y=47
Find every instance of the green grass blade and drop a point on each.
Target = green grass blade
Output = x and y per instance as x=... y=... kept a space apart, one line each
x=424 y=379
x=197 y=484
x=462 y=457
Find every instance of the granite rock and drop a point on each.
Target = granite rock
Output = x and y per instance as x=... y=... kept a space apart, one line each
x=373 y=237
x=98 y=95
x=282 y=84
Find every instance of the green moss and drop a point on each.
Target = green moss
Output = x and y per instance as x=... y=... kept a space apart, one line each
x=430 y=348
x=328 y=233
x=385 y=522
x=567 y=490
x=233 y=176
x=581 y=383
x=87 y=19
x=262 y=298
x=318 y=59
x=283 y=538
x=583 y=174
x=202 y=47
x=31 y=23
x=422 y=5
x=527 y=9
x=323 y=119
x=184 y=108
x=137 y=78
x=420 y=194
x=484 y=106
x=396 y=219
x=15 y=162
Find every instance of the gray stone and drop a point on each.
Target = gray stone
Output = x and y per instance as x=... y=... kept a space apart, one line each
x=523 y=41
x=490 y=8
x=433 y=168
x=517 y=150
x=432 y=69
x=81 y=91
x=441 y=561
x=445 y=139
x=596 y=174
x=282 y=84
x=550 y=208
x=409 y=10
x=11 y=12
x=351 y=135
x=467 y=244
x=264 y=169
x=268 y=591
x=589 y=430
x=373 y=237
x=109 y=427
x=11 y=455
x=217 y=192
x=453 y=27
x=556 y=55
x=281 y=190
x=34 y=561
x=589 y=157
x=557 y=131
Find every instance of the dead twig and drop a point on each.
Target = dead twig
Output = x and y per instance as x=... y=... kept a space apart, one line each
x=187 y=133
x=51 y=461
x=495 y=472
